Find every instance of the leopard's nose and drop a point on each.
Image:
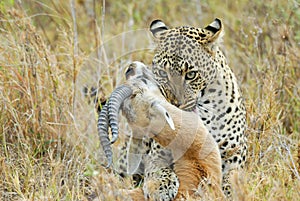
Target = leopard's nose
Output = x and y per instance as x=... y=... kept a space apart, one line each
x=177 y=103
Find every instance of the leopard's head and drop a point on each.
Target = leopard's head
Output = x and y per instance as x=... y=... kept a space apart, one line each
x=185 y=60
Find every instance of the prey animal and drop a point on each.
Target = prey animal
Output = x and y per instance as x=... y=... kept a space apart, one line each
x=195 y=155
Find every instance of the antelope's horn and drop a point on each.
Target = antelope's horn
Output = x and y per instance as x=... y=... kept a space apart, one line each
x=103 y=134
x=114 y=104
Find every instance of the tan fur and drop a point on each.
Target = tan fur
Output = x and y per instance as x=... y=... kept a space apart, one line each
x=196 y=154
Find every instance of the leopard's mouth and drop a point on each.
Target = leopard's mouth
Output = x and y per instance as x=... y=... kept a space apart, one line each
x=190 y=106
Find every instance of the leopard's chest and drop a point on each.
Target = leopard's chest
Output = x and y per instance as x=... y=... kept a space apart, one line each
x=220 y=106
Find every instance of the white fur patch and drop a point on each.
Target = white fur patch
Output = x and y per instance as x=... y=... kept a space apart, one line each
x=215 y=24
x=158 y=24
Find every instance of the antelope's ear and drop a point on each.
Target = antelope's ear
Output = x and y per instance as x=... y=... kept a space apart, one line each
x=215 y=30
x=157 y=26
x=165 y=114
x=169 y=120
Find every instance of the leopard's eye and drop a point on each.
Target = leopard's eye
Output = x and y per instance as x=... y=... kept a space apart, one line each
x=190 y=75
x=163 y=73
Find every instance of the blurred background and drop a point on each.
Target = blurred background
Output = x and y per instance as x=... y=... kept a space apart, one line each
x=50 y=51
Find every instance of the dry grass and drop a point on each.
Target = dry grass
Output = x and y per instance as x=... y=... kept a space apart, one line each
x=49 y=146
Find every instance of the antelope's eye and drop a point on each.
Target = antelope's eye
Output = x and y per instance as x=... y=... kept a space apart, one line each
x=163 y=73
x=190 y=75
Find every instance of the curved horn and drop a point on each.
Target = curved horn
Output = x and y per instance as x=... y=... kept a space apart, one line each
x=114 y=104
x=103 y=134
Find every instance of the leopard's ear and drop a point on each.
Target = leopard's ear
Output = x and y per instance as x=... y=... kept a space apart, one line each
x=157 y=26
x=215 y=30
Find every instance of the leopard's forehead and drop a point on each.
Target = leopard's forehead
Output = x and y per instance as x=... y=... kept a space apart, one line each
x=184 y=49
x=196 y=35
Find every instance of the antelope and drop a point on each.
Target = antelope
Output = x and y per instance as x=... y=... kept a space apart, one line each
x=195 y=153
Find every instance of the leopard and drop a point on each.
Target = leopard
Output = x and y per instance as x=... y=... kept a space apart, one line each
x=193 y=74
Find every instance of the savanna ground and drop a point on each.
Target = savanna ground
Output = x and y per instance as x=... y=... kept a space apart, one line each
x=50 y=50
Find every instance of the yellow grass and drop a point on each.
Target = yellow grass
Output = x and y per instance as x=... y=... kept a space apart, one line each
x=49 y=144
